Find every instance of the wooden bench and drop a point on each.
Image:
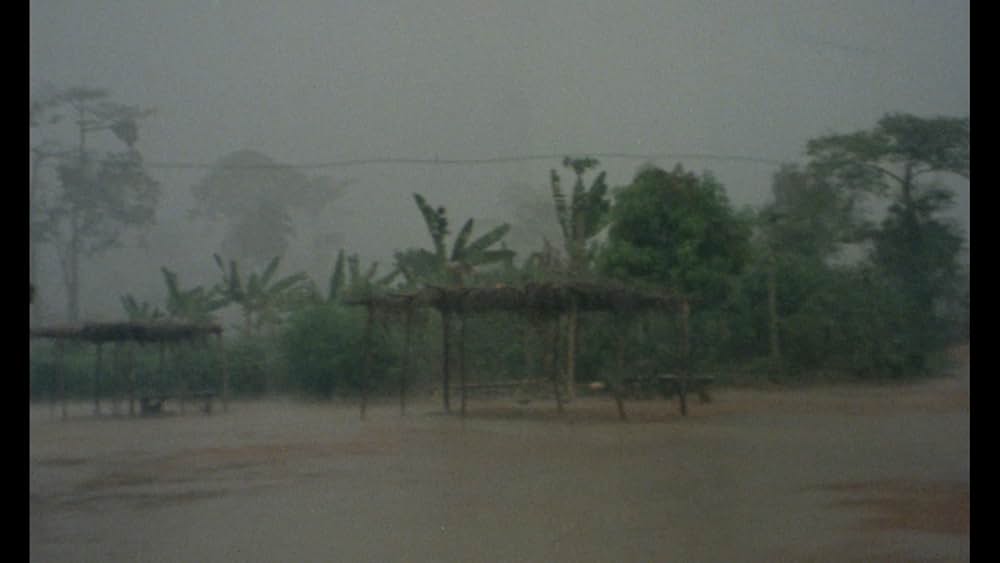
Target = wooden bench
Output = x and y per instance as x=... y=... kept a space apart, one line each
x=152 y=403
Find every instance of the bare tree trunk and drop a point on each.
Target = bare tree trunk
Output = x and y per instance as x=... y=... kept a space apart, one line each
x=36 y=302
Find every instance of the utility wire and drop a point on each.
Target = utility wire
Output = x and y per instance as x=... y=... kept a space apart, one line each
x=460 y=161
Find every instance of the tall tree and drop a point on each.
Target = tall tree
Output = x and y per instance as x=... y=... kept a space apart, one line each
x=676 y=229
x=256 y=196
x=800 y=230
x=100 y=194
x=914 y=246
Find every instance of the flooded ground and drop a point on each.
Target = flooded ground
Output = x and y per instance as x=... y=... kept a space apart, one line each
x=841 y=473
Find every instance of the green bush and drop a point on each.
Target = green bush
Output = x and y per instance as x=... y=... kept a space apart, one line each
x=324 y=347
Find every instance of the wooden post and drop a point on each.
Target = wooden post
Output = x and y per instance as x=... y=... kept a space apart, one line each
x=116 y=369
x=620 y=372
x=685 y=354
x=406 y=361
x=774 y=322
x=461 y=358
x=97 y=381
x=61 y=377
x=572 y=337
x=54 y=382
x=130 y=374
x=225 y=372
x=182 y=387
x=554 y=332
x=446 y=357
x=366 y=375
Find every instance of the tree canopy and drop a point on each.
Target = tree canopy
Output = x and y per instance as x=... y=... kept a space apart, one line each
x=100 y=194
x=255 y=196
x=676 y=229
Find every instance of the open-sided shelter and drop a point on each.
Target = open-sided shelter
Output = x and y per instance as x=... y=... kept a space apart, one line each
x=538 y=301
x=159 y=332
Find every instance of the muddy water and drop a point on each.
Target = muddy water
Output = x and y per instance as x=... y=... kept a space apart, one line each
x=833 y=474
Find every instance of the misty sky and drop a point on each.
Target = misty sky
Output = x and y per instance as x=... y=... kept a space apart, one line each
x=308 y=81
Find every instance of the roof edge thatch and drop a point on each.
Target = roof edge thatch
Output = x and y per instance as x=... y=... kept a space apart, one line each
x=544 y=297
x=134 y=331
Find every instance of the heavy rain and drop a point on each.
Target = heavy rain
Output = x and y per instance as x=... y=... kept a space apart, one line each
x=499 y=281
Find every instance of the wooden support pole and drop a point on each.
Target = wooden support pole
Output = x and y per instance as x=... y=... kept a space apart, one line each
x=97 y=380
x=130 y=375
x=116 y=369
x=461 y=358
x=225 y=372
x=572 y=345
x=685 y=354
x=369 y=344
x=406 y=361
x=60 y=391
x=556 y=383
x=620 y=373
x=446 y=358
x=54 y=381
x=182 y=387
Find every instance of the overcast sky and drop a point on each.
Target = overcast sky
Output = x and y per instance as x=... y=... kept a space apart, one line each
x=309 y=81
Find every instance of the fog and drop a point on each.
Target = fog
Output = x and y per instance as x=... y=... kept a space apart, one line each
x=314 y=82
x=837 y=427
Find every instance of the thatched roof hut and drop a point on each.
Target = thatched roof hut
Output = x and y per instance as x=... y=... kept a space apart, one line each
x=142 y=332
x=545 y=300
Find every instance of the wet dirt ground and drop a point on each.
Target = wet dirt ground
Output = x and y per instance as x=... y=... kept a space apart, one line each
x=838 y=473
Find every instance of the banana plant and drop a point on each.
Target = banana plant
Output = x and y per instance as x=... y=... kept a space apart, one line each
x=262 y=298
x=421 y=266
x=585 y=214
x=196 y=305
x=580 y=219
x=347 y=278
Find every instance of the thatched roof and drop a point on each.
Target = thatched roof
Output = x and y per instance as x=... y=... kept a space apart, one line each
x=532 y=297
x=152 y=331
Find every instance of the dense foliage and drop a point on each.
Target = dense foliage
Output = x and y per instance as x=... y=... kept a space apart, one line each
x=805 y=285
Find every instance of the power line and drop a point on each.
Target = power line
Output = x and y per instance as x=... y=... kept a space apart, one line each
x=176 y=165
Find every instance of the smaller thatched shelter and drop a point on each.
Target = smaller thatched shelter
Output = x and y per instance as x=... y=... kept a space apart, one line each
x=142 y=332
